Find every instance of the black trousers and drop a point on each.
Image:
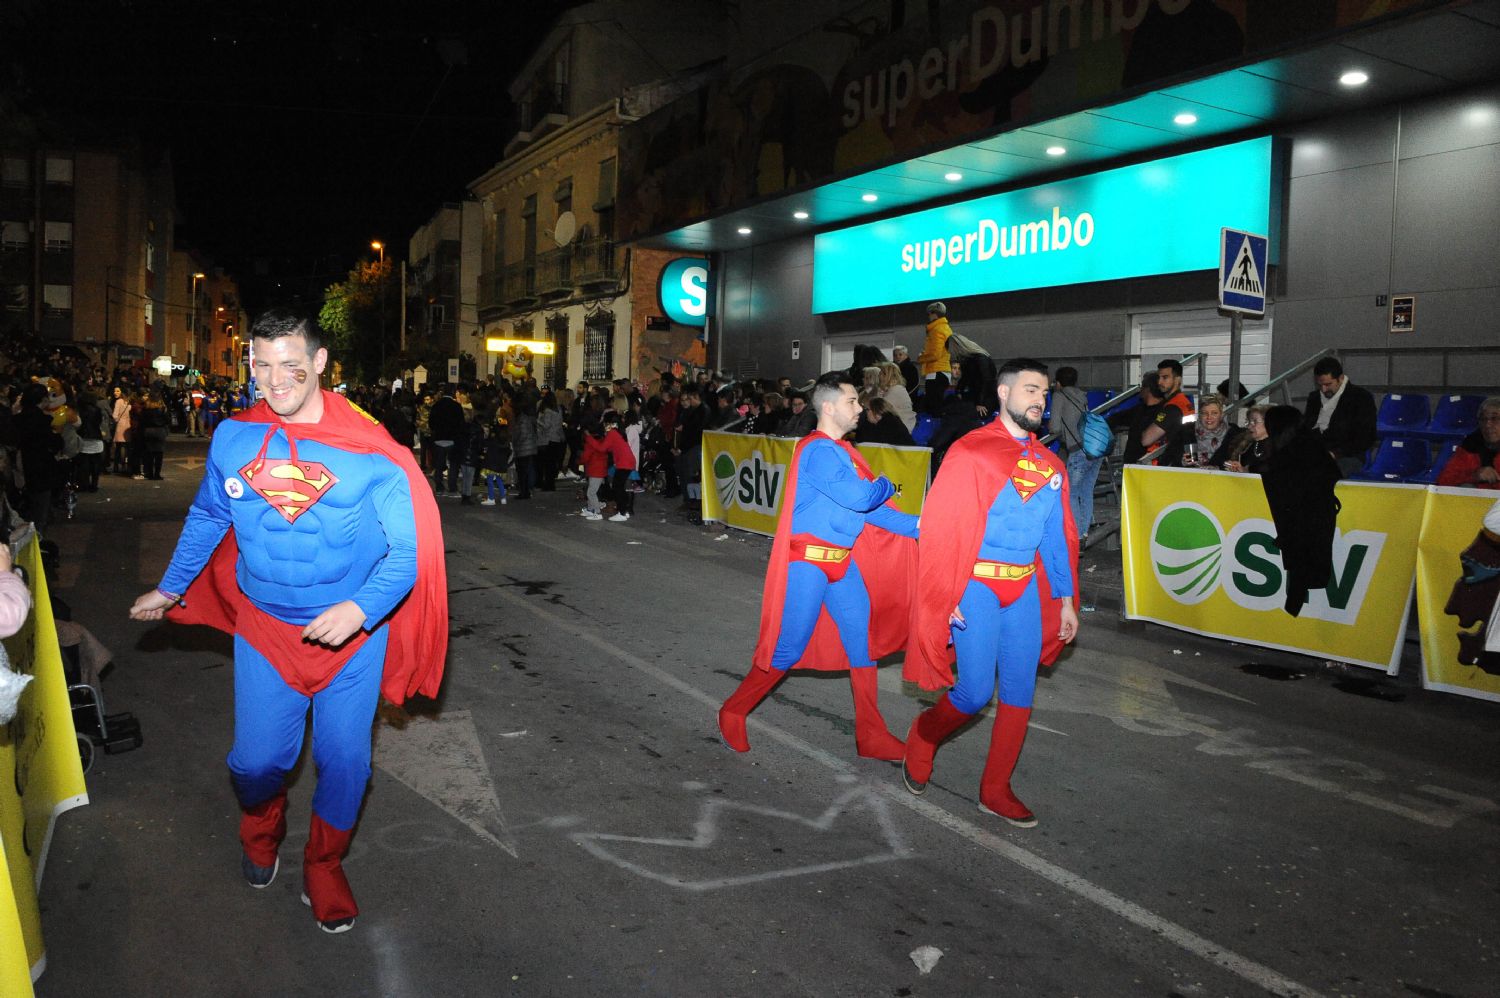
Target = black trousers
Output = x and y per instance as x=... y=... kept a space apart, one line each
x=624 y=498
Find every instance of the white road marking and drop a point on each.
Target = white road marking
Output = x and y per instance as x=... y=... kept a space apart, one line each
x=706 y=836
x=1255 y=973
x=442 y=760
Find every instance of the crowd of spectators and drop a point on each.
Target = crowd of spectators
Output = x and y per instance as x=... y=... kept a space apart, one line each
x=66 y=421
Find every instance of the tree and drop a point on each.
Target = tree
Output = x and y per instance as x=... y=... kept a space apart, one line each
x=351 y=316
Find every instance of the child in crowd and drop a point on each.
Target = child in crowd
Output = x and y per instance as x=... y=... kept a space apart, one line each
x=496 y=458
x=595 y=467
x=632 y=424
x=473 y=458
x=619 y=450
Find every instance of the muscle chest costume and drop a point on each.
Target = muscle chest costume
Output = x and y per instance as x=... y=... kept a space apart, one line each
x=838 y=587
x=290 y=520
x=998 y=542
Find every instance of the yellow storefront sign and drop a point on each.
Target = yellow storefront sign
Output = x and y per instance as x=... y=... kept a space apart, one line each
x=744 y=477
x=1209 y=564
x=1456 y=606
x=40 y=777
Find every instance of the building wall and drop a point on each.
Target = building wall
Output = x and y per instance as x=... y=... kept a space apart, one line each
x=1397 y=200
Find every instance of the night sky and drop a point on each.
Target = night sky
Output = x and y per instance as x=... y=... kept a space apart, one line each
x=298 y=131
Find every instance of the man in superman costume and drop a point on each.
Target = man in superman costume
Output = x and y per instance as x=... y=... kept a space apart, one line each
x=838 y=586
x=997 y=568
x=314 y=541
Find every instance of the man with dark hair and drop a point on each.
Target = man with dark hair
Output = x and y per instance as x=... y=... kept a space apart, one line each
x=996 y=573
x=1153 y=427
x=449 y=433
x=1169 y=382
x=1343 y=413
x=838 y=556
x=314 y=540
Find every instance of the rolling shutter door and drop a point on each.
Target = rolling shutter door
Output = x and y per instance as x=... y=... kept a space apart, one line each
x=1157 y=335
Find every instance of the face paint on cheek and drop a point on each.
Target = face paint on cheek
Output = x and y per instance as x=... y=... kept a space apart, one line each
x=300 y=377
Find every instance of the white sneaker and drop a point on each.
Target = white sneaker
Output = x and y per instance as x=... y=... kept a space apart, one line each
x=619 y=518
x=502 y=500
x=593 y=516
x=486 y=502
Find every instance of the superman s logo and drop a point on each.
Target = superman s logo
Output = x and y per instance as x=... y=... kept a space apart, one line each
x=291 y=488
x=1029 y=475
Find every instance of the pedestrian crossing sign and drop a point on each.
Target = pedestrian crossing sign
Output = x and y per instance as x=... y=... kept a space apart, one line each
x=1242 y=272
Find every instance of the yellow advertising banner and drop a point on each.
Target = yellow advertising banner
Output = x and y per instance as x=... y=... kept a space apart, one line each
x=40 y=777
x=1456 y=601
x=744 y=477
x=1209 y=564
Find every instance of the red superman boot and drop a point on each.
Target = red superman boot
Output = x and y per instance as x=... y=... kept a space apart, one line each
x=752 y=690
x=1006 y=739
x=262 y=828
x=324 y=887
x=927 y=732
x=872 y=738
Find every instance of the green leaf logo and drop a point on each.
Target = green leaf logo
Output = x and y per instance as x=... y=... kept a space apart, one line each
x=725 y=478
x=1187 y=552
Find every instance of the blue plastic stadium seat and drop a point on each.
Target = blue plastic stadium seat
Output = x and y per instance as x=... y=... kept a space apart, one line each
x=927 y=425
x=1099 y=396
x=1398 y=459
x=1402 y=413
x=1047 y=412
x=1456 y=416
x=1445 y=450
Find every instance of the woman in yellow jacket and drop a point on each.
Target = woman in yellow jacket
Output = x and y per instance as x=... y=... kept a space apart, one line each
x=937 y=369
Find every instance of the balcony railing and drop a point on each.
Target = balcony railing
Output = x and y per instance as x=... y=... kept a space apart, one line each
x=584 y=267
x=594 y=263
x=545 y=99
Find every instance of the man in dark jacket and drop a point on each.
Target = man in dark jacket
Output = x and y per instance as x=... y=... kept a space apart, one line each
x=908 y=367
x=1343 y=413
x=446 y=424
x=1151 y=427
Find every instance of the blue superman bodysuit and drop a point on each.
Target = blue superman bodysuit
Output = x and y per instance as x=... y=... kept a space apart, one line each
x=316 y=525
x=1002 y=635
x=833 y=502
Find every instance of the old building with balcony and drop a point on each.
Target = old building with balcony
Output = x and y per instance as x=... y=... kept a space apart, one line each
x=442 y=282
x=550 y=266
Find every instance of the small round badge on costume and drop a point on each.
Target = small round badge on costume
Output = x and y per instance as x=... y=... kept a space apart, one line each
x=234 y=487
x=1055 y=482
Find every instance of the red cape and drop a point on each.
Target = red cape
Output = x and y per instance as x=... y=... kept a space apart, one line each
x=972 y=474
x=417 y=642
x=887 y=562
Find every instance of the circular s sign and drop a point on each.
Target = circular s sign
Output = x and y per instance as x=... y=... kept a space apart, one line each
x=684 y=291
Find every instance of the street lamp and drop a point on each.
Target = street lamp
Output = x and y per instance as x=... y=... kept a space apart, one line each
x=379 y=247
x=197 y=334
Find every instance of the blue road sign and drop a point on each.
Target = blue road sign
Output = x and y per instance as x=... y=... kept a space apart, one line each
x=1242 y=272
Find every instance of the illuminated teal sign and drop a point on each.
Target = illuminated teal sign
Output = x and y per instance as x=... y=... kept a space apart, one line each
x=684 y=291
x=1161 y=217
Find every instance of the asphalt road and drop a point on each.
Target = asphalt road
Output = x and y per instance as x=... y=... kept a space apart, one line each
x=564 y=820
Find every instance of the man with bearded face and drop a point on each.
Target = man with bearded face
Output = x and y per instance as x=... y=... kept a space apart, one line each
x=996 y=574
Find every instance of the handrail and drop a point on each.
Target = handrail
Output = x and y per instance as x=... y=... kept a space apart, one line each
x=1279 y=381
x=1198 y=357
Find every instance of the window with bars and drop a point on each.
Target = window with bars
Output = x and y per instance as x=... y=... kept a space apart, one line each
x=599 y=347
